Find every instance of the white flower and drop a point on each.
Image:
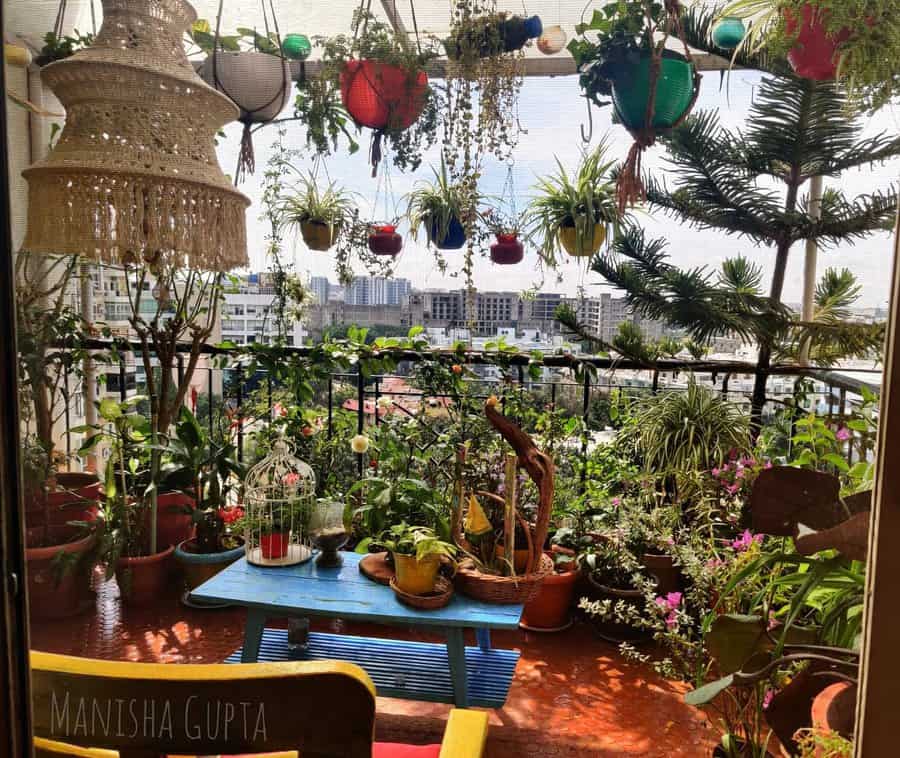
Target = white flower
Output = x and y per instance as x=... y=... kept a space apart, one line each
x=360 y=444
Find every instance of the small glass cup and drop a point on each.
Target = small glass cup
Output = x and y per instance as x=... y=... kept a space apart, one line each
x=329 y=532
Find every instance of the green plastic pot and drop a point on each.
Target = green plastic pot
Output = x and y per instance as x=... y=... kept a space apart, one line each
x=674 y=91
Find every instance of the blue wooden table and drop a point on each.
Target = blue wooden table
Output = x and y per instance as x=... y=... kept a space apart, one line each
x=414 y=670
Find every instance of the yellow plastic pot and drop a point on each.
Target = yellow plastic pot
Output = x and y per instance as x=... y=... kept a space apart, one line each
x=414 y=576
x=568 y=235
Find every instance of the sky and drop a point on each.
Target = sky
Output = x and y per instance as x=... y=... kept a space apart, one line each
x=552 y=113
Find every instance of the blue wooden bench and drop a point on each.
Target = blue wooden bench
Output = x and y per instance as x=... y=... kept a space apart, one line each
x=451 y=673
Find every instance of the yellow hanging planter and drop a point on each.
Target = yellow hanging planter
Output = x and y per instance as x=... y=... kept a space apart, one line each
x=568 y=236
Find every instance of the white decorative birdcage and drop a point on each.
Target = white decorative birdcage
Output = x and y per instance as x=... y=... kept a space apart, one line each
x=279 y=496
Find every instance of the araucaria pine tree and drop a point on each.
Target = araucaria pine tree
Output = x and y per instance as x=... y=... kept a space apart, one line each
x=751 y=184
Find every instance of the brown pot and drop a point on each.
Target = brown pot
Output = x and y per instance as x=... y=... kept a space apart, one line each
x=834 y=709
x=610 y=630
x=142 y=580
x=59 y=585
x=76 y=498
x=520 y=561
x=662 y=568
x=550 y=610
x=173 y=525
x=318 y=235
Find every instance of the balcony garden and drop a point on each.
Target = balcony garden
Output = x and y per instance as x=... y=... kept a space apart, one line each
x=645 y=529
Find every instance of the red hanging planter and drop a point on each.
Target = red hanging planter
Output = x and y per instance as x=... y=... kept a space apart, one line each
x=383 y=96
x=815 y=53
x=384 y=240
x=507 y=250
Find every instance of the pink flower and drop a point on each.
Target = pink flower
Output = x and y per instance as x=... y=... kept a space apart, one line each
x=739 y=474
x=279 y=410
x=661 y=602
x=616 y=501
x=670 y=602
x=732 y=489
x=768 y=464
x=672 y=620
x=843 y=434
x=714 y=563
x=670 y=541
x=746 y=540
x=773 y=622
x=715 y=471
x=767 y=698
x=291 y=478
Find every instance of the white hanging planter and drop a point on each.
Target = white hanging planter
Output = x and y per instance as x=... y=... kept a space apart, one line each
x=258 y=83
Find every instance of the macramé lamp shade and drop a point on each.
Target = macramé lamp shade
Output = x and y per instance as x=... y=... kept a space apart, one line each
x=134 y=175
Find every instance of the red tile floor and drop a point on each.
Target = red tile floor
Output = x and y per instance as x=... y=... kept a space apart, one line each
x=572 y=696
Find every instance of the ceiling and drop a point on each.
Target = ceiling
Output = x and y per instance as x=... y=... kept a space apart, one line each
x=29 y=20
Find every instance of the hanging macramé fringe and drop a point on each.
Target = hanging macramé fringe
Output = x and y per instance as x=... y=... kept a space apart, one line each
x=375 y=153
x=246 y=160
x=122 y=218
x=630 y=184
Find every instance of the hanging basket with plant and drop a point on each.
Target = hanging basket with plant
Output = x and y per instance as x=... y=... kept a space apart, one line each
x=574 y=212
x=318 y=214
x=652 y=89
x=381 y=76
x=437 y=207
x=856 y=42
x=251 y=70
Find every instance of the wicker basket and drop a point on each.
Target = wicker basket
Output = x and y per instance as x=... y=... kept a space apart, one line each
x=443 y=593
x=501 y=589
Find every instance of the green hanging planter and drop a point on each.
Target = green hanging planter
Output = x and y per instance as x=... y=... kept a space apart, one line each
x=674 y=92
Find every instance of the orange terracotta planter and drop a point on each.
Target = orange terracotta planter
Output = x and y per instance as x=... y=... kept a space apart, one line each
x=142 y=580
x=58 y=590
x=551 y=609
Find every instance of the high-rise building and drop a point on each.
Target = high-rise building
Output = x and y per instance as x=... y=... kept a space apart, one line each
x=377 y=290
x=321 y=288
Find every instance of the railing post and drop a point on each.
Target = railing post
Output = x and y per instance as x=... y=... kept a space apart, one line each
x=269 y=392
x=330 y=406
x=68 y=419
x=585 y=412
x=377 y=397
x=655 y=381
x=123 y=393
x=209 y=393
x=240 y=414
x=360 y=414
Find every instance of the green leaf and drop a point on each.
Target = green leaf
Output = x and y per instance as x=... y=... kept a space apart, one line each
x=706 y=693
x=838 y=461
x=734 y=638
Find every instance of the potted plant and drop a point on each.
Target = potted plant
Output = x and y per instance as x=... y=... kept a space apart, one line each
x=437 y=207
x=550 y=610
x=508 y=249
x=614 y=602
x=618 y=65
x=855 y=41
x=58 y=47
x=205 y=469
x=318 y=214
x=384 y=239
x=574 y=212
x=417 y=554
x=381 y=77
x=126 y=534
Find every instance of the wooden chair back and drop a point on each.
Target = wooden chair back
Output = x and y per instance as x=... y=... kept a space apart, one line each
x=323 y=709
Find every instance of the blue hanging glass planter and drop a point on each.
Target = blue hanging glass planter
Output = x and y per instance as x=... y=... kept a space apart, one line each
x=728 y=32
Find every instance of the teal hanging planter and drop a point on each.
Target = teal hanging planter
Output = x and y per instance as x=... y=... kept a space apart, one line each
x=728 y=33
x=674 y=93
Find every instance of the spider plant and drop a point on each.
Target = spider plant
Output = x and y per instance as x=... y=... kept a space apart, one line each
x=318 y=214
x=572 y=211
x=435 y=206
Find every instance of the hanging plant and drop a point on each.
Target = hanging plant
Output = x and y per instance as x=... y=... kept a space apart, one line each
x=437 y=207
x=319 y=107
x=651 y=88
x=354 y=245
x=573 y=213
x=318 y=214
x=384 y=240
x=483 y=81
x=252 y=71
x=855 y=41
x=508 y=249
x=380 y=74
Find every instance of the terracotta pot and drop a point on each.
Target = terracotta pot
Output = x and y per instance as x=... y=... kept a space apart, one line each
x=142 y=580
x=76 y=498
x=416 y=577
x=610 y=630
x=173 y=524
x=550 y=610
x=274 y=545
x=662 y=568
x=383 y=96
x=568 y=236
x=59 y=587
x=198 y=567
x=507 y=250
x=318 y=235
x=384 y=240
x=834 y=709
x=815 y=54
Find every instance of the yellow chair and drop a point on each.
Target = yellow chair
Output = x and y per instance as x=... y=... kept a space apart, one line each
x=316 y=709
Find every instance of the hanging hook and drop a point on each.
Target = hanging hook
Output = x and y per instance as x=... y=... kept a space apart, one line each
x=590 y=134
